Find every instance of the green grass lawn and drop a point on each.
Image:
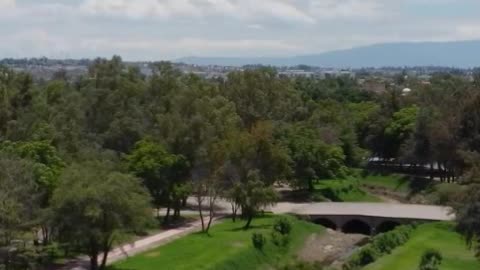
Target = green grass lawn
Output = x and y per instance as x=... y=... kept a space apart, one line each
x=347 y=190
x=228 y=247
x=408 y=187
x=439 y=236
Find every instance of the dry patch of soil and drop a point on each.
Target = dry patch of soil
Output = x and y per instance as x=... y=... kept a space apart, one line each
x=330 y=247
x=152 y=254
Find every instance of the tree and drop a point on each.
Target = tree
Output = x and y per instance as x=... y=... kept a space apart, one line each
x=46 y=168
x=468 y=217
x=418 y=148
x=400 y=128
x=252 y=162
x=259 y=95
x=162 y=172
x=311 y=158
x=18 y=198
x=47 y=163
x=254 y=196
x=94 y=206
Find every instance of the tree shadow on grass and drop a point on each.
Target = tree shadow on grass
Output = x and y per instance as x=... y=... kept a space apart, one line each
x=418 y=185
x=252 y=227
x=415 y=184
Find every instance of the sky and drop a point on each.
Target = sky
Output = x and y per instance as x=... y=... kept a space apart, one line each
x=170 y=29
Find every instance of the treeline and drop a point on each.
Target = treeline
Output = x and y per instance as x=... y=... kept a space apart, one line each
x=83 y=161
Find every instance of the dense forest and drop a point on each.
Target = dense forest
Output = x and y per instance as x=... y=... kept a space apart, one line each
x=84 y=161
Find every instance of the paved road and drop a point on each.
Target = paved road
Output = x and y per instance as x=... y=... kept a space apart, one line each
x=403 y=211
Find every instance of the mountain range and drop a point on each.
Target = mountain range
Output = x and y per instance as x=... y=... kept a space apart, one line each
x=461 y=54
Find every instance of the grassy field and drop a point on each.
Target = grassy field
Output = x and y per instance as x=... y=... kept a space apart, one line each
x=347 y=190
x=435 y=235
x=228 y=247
x=393 y=182
x=411 y=188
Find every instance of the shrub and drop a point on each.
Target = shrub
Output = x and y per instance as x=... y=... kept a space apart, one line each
x=283 y=226
x=279 y=239
x=431 y=260
x=332 y=194
x=367 y=255
x=258 y=240
x=382 y=244
x=318 y=197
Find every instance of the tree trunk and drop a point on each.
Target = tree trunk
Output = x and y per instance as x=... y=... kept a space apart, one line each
x=45 y=235
x=184 y=202
x=209 y=223
x=431 y=171
x=166 y=220
x=311 y=187
x=200 y=212
x=176 y=213
x=211 y=214
x=249 y=221
x=94 y=262
x=104 y=260
x=234 y=212
x=106 y=247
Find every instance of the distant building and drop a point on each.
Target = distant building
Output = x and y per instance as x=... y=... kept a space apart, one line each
x=297 y=73
x=372 y=85
x=406 y=91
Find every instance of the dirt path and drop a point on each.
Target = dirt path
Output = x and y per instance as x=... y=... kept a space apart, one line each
x=140 y=246
x=386 y=195
x=387 y=199
x=330 y=247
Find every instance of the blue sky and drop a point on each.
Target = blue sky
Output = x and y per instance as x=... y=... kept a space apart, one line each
x=168 y=29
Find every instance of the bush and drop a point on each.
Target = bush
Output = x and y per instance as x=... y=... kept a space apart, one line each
x=368 y=255
x=382 y=244
x=282 y=226
x=318 y=197
x=431 y=260
x=386 y=242
x=279 y=239
x=258 y=240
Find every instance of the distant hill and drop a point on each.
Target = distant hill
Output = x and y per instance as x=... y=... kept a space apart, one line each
x=450 y=54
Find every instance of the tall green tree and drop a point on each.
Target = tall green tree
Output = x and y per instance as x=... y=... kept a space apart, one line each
x=46 y=168
x=311 y=158
x=18 y=198
x=254 y=196
x=94 y=207
x=259 y=95
x=163 y=173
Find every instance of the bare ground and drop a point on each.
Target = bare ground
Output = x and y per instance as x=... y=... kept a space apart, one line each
x=331 y=247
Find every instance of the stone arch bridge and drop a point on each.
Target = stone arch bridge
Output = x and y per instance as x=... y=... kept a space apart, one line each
x=366 y=218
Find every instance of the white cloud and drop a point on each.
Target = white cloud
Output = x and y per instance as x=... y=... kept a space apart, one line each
x=156 y=29
x=4 y=4
x=191 y=46
x=6 y=7
x=469 y=31
x=256 y=26
x=161 y=9
x=352 y=9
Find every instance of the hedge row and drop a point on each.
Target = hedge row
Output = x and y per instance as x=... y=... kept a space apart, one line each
x=381 y=245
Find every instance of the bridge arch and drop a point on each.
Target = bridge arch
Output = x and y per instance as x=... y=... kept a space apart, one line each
x=387 y=226
x=357 y=226
x=327 y=223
